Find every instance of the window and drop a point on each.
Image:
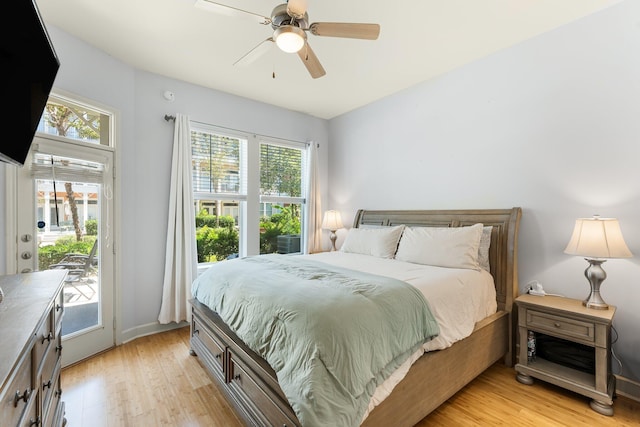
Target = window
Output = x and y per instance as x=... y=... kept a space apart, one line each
x=76 y=121
x=281 y=202
x=248 y=193
x=219 y=189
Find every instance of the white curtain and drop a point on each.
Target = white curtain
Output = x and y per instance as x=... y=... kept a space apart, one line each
x=181 y=261
x=314 y=209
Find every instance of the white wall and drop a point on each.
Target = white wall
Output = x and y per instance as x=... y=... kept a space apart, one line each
x=144 y=147
x=551 y=125
x=150 y=171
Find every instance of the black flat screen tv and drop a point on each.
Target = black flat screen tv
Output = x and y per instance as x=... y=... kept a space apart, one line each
x=29 y=66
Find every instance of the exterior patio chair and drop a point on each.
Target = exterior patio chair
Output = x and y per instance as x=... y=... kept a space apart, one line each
x=79 y=267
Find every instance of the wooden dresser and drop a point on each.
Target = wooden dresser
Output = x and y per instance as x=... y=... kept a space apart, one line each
x=30 y=349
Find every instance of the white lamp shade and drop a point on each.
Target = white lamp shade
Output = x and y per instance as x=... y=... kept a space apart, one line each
x=598 y=238
x=332 y=220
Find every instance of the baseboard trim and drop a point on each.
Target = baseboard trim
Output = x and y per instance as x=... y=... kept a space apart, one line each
x=627 y=388
x=149 y=329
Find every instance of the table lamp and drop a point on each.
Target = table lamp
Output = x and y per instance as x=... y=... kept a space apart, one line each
x=597 y=239
x=332 y=222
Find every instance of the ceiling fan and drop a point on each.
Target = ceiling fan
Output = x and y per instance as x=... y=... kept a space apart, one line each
x=290 y=23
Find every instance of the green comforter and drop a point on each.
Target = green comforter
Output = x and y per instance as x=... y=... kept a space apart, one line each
x=332 y=335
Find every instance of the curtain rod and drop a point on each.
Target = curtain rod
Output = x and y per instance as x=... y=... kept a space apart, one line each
x=170 y=118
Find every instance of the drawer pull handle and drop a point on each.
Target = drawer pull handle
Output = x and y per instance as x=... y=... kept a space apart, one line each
x=556 y=324
x=219 y=356
x=47 y=337
x=35 y=422
x=46 y=385
x=58 y=307
x=18 y=397
x=236 y=377
x=196 y=332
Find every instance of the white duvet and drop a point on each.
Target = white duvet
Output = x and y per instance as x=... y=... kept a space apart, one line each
x=458 y=298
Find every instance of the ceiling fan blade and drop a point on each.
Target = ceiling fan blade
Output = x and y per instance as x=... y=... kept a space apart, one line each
x=297 y=8
x=345 y=29
x=310 y=60
x=231 y=11
x=254 y=53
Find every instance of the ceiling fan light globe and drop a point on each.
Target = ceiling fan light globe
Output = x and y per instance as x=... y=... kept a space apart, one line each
x=297 y=8
x=289 y=38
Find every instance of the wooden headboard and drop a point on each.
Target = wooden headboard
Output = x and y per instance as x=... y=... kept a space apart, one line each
x=503 y=252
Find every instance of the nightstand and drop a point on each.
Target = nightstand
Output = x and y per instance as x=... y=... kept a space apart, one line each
x=569 y=323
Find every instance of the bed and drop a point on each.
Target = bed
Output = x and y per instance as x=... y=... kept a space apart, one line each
x=251 y=385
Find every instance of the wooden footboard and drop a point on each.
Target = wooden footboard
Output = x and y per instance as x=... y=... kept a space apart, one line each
x=247 y=380
x=438 y=375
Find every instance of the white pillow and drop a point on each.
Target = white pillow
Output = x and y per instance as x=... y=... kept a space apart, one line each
x=455 y=247
x=483 y=249
x=378 y=242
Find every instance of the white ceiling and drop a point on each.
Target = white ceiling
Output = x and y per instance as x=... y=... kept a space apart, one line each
x=419 y=40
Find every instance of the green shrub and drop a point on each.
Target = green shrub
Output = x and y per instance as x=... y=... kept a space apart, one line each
x=53 y=254
x=287 y=221
x=216 y=244
x=212 y=221
x=91 y=227
x=269 y=233
x=217 y=237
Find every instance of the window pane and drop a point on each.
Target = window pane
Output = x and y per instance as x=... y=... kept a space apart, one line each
x=217 y=233
x=216 y=163
x=68 y=225
x=75 y=121
x=280 y=228
x=280 y=171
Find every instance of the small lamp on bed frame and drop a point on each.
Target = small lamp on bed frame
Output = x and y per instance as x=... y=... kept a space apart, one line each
x=332 y=222
x=596 y=239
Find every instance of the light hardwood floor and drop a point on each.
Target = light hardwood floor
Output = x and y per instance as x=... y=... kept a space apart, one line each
x=153 y=381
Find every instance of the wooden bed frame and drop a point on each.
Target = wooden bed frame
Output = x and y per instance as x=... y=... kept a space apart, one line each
x=251 y=385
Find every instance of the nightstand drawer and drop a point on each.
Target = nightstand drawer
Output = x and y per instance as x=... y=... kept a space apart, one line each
x=561 y=327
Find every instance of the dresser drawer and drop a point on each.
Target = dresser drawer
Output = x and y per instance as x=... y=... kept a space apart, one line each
x=58 y=311
x=50 y=366
x=30 y=417
x=561 y=327
x=17 y=396
x=52 y=400
x=45 y=337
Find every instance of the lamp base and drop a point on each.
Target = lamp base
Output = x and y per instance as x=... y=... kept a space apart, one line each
x=595 y=305
x=595 y=274
x=333 y=238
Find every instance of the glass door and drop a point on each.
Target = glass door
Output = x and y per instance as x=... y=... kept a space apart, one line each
x=65 y=215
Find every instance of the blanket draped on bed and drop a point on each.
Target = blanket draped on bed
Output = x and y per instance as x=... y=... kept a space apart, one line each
x=332 y=335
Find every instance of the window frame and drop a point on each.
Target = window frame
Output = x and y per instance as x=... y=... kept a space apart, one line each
x=250 y=202
x=109 y=119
